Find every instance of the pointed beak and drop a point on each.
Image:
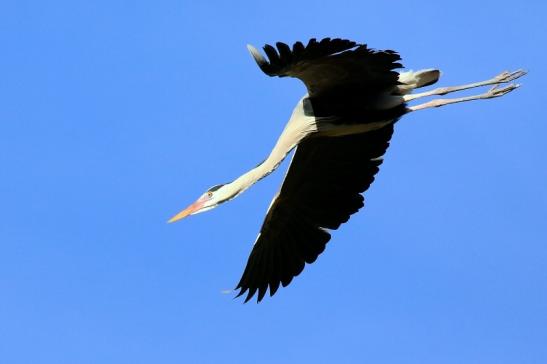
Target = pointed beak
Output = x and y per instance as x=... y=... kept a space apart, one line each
x=188 y=211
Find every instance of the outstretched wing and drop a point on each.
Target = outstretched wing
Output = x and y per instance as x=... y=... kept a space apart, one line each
x=321 y=191
x=330 y=65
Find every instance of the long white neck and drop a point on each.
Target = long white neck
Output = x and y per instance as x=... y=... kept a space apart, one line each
x=298 y=127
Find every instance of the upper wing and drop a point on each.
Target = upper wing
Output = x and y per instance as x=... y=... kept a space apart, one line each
x=330 y=64
x=322 y=189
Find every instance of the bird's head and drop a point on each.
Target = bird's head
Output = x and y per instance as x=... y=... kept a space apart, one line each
x=213 y=197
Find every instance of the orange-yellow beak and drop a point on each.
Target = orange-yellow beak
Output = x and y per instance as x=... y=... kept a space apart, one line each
x=188 y=211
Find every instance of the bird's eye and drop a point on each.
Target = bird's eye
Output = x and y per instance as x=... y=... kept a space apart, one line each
x=209 y=194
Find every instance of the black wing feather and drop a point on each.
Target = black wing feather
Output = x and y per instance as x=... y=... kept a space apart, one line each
x=331 y=64
x=280 y=63
x=321 y=191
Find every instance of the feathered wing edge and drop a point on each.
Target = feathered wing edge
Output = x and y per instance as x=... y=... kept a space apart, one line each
x=282 y=58
x=332 y=69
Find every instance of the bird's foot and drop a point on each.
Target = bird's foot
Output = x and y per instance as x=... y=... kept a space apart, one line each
x=509 y=76
x=498 y=91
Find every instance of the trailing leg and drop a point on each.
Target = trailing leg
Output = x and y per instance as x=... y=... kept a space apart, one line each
x=501 y=78
x=495 y=91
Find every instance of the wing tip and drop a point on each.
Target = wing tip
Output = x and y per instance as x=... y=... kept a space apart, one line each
x=252 y=291
x=281 y=56
x=257 y=56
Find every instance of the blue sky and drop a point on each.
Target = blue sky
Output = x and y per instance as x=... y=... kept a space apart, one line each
x=117 y=114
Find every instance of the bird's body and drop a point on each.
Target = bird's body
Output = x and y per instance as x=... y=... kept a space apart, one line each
x=341 y=128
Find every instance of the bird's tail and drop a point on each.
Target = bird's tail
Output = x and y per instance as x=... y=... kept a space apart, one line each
x=416 y=79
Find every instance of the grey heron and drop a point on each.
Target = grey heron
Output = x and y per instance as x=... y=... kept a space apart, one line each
x=341 y=129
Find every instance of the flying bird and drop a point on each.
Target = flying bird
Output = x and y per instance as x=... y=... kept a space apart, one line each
x=340 y=128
